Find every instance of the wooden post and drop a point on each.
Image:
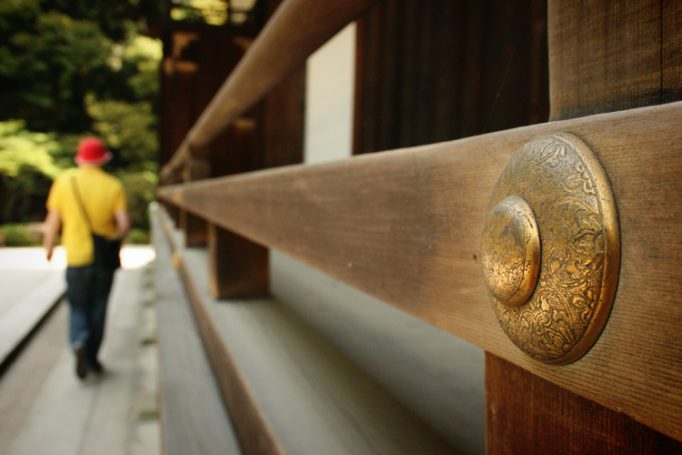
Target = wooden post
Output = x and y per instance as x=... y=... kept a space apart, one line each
x=271 y=135
x=604 y=56
x=173 y=210
x=193 y=226
x=238 y=267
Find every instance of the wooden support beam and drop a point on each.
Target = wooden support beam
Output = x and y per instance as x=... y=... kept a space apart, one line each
x=529 y=415
x=406 y=228
x=296 y=30
x=238 y=267
x=194 y=227
x=273 y=136
x=173 y=211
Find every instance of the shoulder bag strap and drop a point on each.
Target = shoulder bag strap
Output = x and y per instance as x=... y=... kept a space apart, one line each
x=80 y=202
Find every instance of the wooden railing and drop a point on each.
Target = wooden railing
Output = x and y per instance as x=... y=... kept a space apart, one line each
x=414 y=242
x=405 y=226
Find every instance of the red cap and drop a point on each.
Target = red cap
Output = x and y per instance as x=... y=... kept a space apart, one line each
x=92 y=151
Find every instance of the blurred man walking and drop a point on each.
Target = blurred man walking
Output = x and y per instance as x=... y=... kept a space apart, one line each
x=87 y=202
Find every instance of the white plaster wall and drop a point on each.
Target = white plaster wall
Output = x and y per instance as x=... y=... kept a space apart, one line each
x=329 y=99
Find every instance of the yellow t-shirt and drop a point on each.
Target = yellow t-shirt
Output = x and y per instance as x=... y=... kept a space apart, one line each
x=102 y=197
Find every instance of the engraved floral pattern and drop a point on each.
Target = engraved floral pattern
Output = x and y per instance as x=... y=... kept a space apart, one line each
x=560 y=186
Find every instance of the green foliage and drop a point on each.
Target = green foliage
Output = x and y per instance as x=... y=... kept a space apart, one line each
x=139 y=188
x=138 y=236
x=144 y=54
x=26 y=169
x=130 y=129
x=24 y=151
x=46 y=68
x=212 y=12
x=70 y=68
x=18 y=235
x=112 y=17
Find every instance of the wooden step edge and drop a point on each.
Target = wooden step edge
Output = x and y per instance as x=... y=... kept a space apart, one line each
x=192 y=415
x=252 y=430
x=343 y=424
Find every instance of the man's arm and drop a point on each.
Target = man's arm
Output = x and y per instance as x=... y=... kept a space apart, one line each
x=50 y=229
x=123 y=223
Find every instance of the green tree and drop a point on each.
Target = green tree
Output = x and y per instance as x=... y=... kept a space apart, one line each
x=112 y=17
x=46 y=70
x=70 y=68
x=26 y=169
x=129 y=129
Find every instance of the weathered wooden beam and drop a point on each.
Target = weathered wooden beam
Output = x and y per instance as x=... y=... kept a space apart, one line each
x=532 y=416
x=238 y=267
x=297 y=29
x=194 y=227
x=272 y=137
x=406 y=227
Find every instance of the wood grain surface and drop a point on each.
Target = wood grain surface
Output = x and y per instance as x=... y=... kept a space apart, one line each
x=526 y=414
x=194 y=227
x=238 y=266
x=603 y=56
x=405 y=227
x=441 y=70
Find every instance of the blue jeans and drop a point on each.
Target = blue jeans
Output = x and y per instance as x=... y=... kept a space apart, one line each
x=88 y=289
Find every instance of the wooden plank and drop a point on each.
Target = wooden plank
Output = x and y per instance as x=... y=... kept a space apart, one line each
x=296 y=30
x=119 y=393
x=58 y=412
x=282 y=119
x=194 y=418
x=253 y=432
x=671 y=55
x=65 y=415
x=413 y=241
x=23 y=314
x=195 y=228
x=603 y=55
x=526 y=414
x=308 y=397
x=441 y=70
x=438 y=376
x=21 y=385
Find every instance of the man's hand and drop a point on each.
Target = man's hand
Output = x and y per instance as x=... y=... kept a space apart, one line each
x=122 y=223
x=50 y=229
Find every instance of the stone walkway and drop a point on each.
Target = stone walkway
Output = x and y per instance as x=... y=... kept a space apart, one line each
x=44 y=408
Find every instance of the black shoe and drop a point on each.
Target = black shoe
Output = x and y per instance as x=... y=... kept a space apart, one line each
x=81 y=366
x=96 y=367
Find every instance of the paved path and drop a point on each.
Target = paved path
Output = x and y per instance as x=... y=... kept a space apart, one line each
x=44 y=408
